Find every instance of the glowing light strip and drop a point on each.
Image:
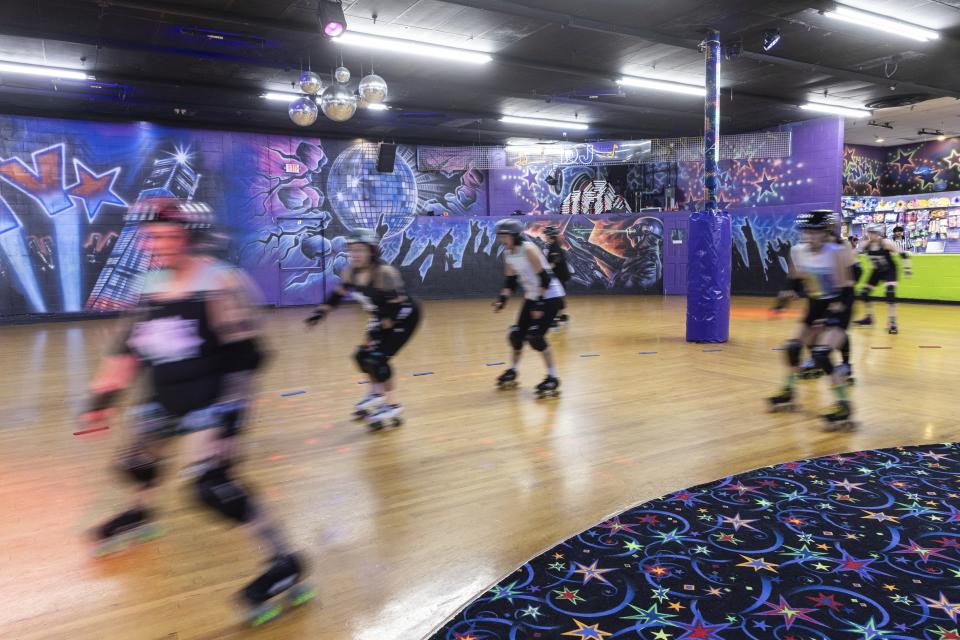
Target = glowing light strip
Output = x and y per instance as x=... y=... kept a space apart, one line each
x=662 y=85
x=888 y=25
x=281 y=96
x=836 y=110
x=413 y=47
x=44 y=72
x=537 y=122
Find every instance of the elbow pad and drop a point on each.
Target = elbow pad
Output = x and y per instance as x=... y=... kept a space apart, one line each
x=511 y=283
x=545 y=277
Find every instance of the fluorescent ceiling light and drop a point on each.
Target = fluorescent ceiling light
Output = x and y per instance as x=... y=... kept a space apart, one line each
x=537 y=122
x=836 y=110
x=377 y=106
x=280 y=96
x=44 y=72
x=413 y=47
x=889 y=25
x=662 y=85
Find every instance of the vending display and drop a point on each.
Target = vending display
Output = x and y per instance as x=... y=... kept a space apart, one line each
x=931 y=223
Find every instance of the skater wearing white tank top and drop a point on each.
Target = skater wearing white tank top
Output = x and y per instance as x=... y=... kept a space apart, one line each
x=543 y=296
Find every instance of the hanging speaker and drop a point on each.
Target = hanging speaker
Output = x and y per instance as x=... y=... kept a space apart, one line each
x=386 y=157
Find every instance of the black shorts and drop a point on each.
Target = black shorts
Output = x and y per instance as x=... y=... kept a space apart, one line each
x=818 y=310
x=390 y=341
x=526 y=324
x=885 y=275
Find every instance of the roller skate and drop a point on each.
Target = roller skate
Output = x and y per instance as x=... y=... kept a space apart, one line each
x=368 y=405
x=810 y=371
x=838 y=418
x=549 y=387
x=782 y=401
x=892 y=329
x=126 y=530
x=278 y=590
x=388 y=415
x=865 y=321
x=507 y=379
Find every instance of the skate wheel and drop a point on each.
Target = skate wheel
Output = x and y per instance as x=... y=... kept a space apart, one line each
x=263 y=614
x=301 y=595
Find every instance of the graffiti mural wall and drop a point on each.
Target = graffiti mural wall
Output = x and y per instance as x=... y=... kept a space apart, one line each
x=64 y=186
x=928 y=167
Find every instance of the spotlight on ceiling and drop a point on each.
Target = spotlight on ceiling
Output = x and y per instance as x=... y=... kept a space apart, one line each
x=878 y=140
x=771 y=38
x=332 y=21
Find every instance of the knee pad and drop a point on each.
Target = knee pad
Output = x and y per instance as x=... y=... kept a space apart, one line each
x=794 y=349
x=220 y=492
x=537 y=341
x=891 y=293
x=362 y=356
x=821 y=356
x=140 y=467
x=516 y=340
x=380 y=368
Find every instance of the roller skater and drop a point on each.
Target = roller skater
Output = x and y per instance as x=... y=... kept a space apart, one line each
x=543 y=295
x=557 y=260
x=823 y=270
x=394 y=317
x=199 y=340
x=880 y=251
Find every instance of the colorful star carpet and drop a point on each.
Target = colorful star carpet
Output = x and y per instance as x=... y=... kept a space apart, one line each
x=858 y=546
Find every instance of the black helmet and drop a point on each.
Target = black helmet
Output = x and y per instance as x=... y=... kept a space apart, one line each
x=817 y=220
x=192 y=215
x=364 y=236
x=510 y=226
x=552 y=231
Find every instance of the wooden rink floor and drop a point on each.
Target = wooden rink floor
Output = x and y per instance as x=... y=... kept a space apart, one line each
x=404 y=527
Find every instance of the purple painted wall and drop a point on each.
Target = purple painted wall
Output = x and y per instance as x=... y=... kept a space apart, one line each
x=927 y=167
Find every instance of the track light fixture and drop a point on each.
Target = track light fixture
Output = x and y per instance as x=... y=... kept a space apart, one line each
x=771 y=38
x=332 y=20
x=882 y=125
x=941 y=136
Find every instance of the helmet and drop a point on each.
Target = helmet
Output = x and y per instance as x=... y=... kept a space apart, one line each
x=192 y=215
x=818 y=220
x=510 y=226
x=552 y=231
x=877 y=228
x=368 y=237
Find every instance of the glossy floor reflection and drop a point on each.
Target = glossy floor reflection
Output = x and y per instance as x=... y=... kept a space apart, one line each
x=405 y=527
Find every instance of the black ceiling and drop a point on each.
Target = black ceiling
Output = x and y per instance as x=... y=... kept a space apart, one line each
x=553 y=59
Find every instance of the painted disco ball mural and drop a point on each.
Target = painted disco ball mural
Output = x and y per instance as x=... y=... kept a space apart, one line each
x=359 y=194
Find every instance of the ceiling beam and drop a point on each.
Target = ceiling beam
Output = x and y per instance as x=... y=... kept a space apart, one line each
x=578 y=22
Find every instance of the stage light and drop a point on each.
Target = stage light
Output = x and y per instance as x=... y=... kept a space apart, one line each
x=882 y=23
x=770 y=39
x=44 y=72
x=836 y=110
x=662 y=85
x=413 y=47
x=280 y=96
x=332 y=21
x=537 y=122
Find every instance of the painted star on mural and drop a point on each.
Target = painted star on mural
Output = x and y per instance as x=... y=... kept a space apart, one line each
x=904 y=160
x=95 y=189
x=764 y=185
x=952 y=161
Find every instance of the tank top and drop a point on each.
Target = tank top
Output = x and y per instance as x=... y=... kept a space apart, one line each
x=175 y=340
x=880 y=256
x=529 y=279
x=818 y=270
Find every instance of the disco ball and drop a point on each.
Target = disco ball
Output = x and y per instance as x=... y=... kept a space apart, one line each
x=373 y=89
x=342 y=75
x=338 y=103
x=303 y=111
x=310 y=82
x=359 y=194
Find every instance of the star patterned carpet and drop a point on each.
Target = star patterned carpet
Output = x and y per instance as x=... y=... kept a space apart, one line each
x=857 y=546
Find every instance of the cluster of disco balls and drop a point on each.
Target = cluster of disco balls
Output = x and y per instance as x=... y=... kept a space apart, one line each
x=337 y=101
